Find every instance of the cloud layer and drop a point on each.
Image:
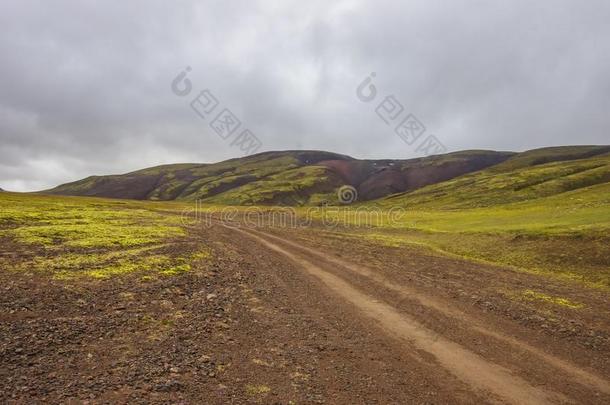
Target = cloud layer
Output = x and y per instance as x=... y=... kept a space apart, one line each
x=86 y=84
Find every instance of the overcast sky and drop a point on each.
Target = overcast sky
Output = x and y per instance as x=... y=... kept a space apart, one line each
x=85 y=86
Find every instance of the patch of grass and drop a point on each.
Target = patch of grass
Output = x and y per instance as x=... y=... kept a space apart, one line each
x=538 y=296
x=66 y=266
x=256 y=390
x=582 y=260
x=583 y=212
x=89 y=237
x=92 y=234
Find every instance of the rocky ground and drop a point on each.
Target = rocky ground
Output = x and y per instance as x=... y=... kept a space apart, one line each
x=303 y=316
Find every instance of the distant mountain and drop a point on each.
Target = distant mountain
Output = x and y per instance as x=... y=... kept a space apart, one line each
x=283 y=178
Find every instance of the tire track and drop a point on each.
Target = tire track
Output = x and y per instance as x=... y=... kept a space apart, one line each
x=467 y=366
x=581 y=376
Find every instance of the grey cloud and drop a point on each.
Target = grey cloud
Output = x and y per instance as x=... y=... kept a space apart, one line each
x=86 y=84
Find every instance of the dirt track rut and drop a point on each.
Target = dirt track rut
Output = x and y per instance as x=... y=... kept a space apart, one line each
x=497 y=382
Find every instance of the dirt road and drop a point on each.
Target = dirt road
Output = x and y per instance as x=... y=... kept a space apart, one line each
x=482 y=375
x=304 y=316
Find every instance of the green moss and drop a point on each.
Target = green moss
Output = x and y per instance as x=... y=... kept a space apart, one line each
x=114 y=264
x=228 y=175
x=551 y=154
x=95 y=234
x=322 y=199
x=70 y=222
x=492 y=187
x=88 y=237
x=582 y=260
x=256 y=390
x=538 y=296
x=290 y=187
x=206 y=254
x=173 y=270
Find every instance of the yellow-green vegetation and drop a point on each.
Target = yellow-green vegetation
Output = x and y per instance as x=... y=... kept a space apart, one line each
x=227 y=175
x=290 y=187
x=71 y=237
x=584 y=260
x=565 y=236
x=545 y=211
x=580 y=212
x=255 y=390
x=538 y=296
x=551 y=154
x=182 y=181
x=63 y=221
x=551 y=219
x=492 y=186
x=583 y=212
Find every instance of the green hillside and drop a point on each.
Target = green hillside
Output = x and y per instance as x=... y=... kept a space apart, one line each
x=524 y=177
x=282 y=178
x=534 y=212
x=540 y=156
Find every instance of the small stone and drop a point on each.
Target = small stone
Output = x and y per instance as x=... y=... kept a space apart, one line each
x=168 y=386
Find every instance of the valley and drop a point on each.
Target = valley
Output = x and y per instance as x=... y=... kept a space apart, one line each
x=490 y=287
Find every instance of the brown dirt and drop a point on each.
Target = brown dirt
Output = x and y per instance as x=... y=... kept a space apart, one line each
x=282 y=315
x=378 y=178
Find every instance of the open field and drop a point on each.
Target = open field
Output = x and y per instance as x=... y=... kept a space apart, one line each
x=126 y=301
